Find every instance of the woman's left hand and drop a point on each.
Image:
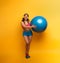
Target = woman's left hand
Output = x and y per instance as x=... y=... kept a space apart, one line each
x=33 y=26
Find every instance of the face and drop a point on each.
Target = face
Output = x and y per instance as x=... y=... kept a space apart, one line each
x=25 y=17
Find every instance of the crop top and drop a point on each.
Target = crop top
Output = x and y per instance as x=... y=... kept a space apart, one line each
x=26 y=25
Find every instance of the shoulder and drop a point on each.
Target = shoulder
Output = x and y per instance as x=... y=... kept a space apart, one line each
x=22 y=23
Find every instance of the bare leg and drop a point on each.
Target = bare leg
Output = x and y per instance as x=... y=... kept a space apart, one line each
x=30 y=38
x=27 y=44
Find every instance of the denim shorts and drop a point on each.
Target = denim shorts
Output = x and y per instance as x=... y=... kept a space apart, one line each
x=27 y=33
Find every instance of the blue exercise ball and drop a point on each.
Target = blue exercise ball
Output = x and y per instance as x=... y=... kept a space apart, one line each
x=40 y=23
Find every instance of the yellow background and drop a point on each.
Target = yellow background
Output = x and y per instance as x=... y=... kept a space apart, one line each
x=45 y=47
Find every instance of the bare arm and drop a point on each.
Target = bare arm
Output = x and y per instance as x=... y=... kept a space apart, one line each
x=27 y=27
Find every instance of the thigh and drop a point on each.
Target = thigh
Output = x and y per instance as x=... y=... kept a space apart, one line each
x=26 y=39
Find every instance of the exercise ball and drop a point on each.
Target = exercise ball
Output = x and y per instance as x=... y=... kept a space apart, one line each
x=40 y=23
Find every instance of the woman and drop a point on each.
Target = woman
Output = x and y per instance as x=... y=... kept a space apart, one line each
x=27 y=32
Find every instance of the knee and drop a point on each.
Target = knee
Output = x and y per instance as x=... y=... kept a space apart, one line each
x=27 y=43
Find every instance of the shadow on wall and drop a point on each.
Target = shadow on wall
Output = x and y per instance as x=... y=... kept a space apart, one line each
x=36 y=39
x=39 y=36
